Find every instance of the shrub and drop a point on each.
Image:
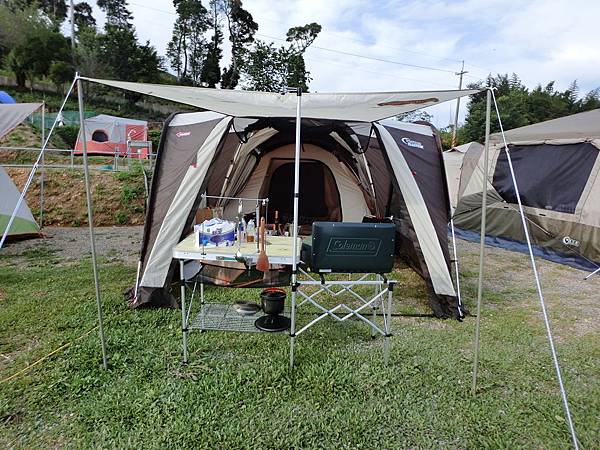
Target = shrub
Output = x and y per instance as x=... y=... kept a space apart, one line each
x=68 y=134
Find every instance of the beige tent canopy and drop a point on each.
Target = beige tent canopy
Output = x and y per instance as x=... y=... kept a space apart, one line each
x=453 y=162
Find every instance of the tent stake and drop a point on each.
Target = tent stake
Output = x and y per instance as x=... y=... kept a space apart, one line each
x=488 y=108
x=88 y=193
x=538 y=285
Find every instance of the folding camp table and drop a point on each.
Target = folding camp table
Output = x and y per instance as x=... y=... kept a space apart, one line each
x=222 y=317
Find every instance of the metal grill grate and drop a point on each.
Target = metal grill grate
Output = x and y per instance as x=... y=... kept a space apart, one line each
x=220 y=317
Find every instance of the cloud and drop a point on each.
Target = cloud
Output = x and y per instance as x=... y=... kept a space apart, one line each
x=540 y=40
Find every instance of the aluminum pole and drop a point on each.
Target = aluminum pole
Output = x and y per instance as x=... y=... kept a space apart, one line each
x=88 y=193
x=486 y=150
x=538 y=286
x=295 y=231
x=43 y=171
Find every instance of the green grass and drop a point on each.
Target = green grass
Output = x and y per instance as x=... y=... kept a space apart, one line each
x=238 y=393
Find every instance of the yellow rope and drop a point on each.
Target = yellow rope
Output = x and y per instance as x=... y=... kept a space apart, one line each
x=15 y=375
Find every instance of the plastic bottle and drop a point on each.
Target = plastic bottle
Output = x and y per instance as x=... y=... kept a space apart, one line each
x=250 y=231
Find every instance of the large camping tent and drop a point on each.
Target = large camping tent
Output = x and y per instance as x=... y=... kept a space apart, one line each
x=453 y=161
x=348 y=170
x=556 y=164
x=106 y=134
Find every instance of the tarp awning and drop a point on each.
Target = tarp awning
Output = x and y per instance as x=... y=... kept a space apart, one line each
x=13 y=114
x=355 y=106
x=581 y=126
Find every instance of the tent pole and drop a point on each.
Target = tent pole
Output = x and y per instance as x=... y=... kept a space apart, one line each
x=295 y=230
x=34 y=168
x=538 y=285
x=88 y=193
x=43 y=171
x=456 y=268
x=486 y=150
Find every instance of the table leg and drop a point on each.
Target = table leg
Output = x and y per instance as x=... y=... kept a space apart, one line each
x=292 y=326
x=184 y=325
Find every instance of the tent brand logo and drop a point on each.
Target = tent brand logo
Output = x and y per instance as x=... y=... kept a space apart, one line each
x=420 y=101
x=411 y=143
x=570 y=241
x=181 y=134
x=340 y=246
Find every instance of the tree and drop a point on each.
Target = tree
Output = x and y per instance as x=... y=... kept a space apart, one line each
x=519 y=107
x=36 y=54
x=82 y=16
x=211 y=70
x=242 y=28
x=117 y=14
x=270 y=68
x=186 y=51
x=61 y=72
x=119 y=50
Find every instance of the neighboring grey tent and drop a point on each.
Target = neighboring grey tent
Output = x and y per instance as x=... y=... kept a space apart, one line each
x=453 y=161
x=348 y=170
x=24 y=225
x=556 y=164
x=12 y=115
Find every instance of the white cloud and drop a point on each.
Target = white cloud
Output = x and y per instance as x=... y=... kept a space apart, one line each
x=540 y=40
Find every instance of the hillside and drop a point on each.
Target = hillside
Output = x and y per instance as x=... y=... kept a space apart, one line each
x=118 y=197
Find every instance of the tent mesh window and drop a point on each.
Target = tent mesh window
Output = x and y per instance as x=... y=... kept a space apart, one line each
x=550 y=177
x=99 y=136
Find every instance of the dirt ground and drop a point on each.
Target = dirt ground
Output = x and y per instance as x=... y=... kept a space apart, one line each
x=115 y=244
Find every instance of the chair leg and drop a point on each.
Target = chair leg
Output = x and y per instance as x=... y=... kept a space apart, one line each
x=388 y=328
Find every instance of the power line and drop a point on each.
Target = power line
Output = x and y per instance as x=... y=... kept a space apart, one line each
x=342 y=52
x=358 y=55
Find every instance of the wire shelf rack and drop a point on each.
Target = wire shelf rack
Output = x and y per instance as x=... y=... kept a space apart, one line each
x=223 y=317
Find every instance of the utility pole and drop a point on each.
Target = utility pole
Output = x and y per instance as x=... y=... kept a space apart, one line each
x=72 y=20
x=460 y=74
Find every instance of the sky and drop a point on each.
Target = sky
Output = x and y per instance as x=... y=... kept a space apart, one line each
x=374 y=45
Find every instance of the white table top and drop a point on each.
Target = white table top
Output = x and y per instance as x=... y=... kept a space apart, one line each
x=279 y=250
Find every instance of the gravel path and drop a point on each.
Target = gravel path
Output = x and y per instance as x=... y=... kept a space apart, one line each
x=69 y=244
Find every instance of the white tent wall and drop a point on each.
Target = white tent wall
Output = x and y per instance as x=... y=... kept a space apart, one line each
x=354 y=206
x=156 y=269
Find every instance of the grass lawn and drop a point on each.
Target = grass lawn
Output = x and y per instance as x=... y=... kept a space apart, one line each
x=237 y=391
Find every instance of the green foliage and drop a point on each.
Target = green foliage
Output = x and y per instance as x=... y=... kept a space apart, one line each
x=242 y=28
x=519 y=106
x=61 y=73
x=270 y=68
x=121 y=217
x=34 y=56
x=68 y=134
x=154 y=137
x=186 y=51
